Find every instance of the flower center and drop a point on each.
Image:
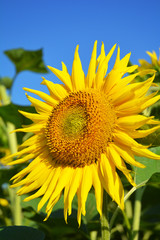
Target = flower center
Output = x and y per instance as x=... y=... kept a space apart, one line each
x=80 y=128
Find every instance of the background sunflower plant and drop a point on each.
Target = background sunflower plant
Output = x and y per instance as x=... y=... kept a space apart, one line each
x=88 y=153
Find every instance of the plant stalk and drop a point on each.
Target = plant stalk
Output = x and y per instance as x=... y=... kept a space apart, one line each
x=137 y=213
x=105 y=231
x=12 y=141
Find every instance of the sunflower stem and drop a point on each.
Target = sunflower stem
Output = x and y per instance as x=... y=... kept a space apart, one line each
x=137 y=213
x=12 y=141
x=132 y=190
x=105 y=231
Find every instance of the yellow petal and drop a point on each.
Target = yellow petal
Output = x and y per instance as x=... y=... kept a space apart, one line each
x=98 y=188
x=143 y=133
x=119 y=191
x=107 y=172
x=49 y=210
x=145 y=153
x=122 y=137
x=39 y=105
x=48 y=99
x=115 y=157
x=76 y=180
x=77 y=73
x=150 y=102
x=63 y=76
x=34 y=117
x=102 y=68
x=62 y=181
x=57 y=91
x=132 y=122
x=92 y=67
x=85 y=186
x=42 y=190
x=101 y=56
x=50 y=189
x=34 y=128
x=127 y=155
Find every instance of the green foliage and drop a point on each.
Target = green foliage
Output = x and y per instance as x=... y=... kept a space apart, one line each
x=55 y=227
x=152 y=139
x=10 y=113
x=21 y=232
x=27 y=60
x=155 y=180
x=6 y=81
x=152 y=166
x=7 y=173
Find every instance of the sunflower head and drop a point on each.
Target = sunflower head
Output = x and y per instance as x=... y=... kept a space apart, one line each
x=154 y=64
x=85 y=130
x=80 y=128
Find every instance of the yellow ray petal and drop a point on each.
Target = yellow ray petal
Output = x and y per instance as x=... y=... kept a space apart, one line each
x=143 y=133
x=36 y=151
x=127 y=155
x=34 y=128
x=92 y=67
x=27 y=169
x=20 y=153
x=34 y=185
x=63 y=181
x=122 y=137
x=113 y=79
x=76 y=180
x=106 y=173
x=145 y=153
x=98 y=188
x=50 y=189
x=63 y=76
x=79 y=212
x=119 y=191
x=144 y=87
x=123 y=62
x=102 y=68
x=133 y=121
x=101 y=56
x=32 y=176
x=48 y=99
x=43 y=188
x=49 y=210
x=77 y=73
x=115 y=157
x=117 y=58
x=32 y=140
x=130 y=92
x=57 y=91
x=85 y=186
x=34 y=117
x=39 y=105
x=150 y=102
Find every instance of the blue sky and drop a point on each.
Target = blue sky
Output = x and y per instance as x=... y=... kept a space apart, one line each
x=58 y=26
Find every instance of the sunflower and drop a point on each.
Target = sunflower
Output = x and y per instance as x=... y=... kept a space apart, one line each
x=155 y=62
x=84 y=131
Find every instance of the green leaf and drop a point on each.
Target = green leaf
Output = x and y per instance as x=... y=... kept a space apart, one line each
x=154 y=180
x=91 y=210
x=7 y=173
x=152 y=166
x=27 y=60
x=6 y=81
x=9 y=113
x=21 y=232
x=152 y=138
